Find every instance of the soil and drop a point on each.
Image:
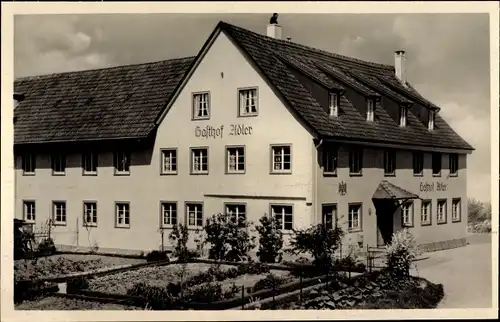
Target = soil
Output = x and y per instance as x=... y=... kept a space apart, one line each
x=58 y=303
x=59 y=265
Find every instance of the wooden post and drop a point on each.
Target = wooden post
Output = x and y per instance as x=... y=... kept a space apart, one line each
x=243 y=297
x=300 y=301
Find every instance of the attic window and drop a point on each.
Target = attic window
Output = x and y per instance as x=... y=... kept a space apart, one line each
x=430 y=124
x=402 y=116
x=333 y=104
x=370 y=110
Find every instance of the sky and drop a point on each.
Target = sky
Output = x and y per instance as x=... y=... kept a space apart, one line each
x=447 y=54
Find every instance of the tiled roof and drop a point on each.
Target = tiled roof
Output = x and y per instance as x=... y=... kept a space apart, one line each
x=110 y=103
x=126 y=101
x=387 y=190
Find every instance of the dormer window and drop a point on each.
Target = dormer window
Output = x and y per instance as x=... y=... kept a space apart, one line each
x=402 y=116
x=370 y=110
x=333 y=104
x=430 y=124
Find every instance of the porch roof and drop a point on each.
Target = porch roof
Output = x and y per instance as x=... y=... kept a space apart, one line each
x=387 y=190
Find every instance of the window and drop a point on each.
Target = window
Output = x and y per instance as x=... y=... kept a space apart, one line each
x=235 y=159
x=330 y=157
x=237 y=213
x=248 y=102
x=195 y=214
x=354 y=221
x=418 y=163
x=29 y=163
x=456 y=210
x=201 y=106
x=59 y=213
x=329 y=215
x=169 y=161
x=407 y=214
x=90 y=214
x=389 y=162
x=168 y=214
x=29 y=211
x=441 y=211
x=121 y=160
x=284 y=215
x=333 y=104
x=89 y=162
x=122 y=215
x=355 y=161
x=370 y=110
x=453 y=164
x=436 y=164
x=58 y=164
x=199 y=161
x=282 y=159
x=430 y=124
x=425 y=212
x=402 y=116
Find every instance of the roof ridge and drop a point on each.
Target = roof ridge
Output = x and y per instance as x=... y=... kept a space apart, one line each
x=317 y=50
x=27 y=78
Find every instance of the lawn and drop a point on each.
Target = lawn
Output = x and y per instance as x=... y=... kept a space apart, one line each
x=64 y=264
x=58 y=303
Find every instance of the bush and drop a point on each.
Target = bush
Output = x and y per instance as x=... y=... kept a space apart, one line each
x=156 y=255
x=46 y=247
x=180 y=236
x=158 y=298
x=269 y=282
x=318 y=241
x=77 y=283
x=479 y=216
x=401 y=253
x=270 y=240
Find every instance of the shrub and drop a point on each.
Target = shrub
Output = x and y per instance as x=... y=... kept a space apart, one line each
x=270 y=240
x=77 y=283
x=157 y=255
x=46 y=247
x=180 y=236
x=479 y=216
x=158 y=298
x=318 y=241
x=401 y=253
x=269 y=282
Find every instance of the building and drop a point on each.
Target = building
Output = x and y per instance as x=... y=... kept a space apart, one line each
x=253 y=125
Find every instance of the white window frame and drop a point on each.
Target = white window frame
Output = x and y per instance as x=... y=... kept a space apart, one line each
x=441 y=211
x=169 y=214
x=168 y=161
x=29 y=211
x=407 y=214
x=418 y=160
x=456 y=210
x=196 y=209
x=431 y=121
x=353 y=160
x=58 y=163
x=90 y=212
x=426 y=210
x=370 y=110
x=59 y=206
x=199 y=160
x=389 y=161
x=121 y=162
x=281 y=212
x=330 y=160
x=238 y=211
x=453 y=163
x=235 y=159
x=354 y=209
x=248 y=102
x=122 y=214
x=333 y=104
x=201 y=106
x=90 y=159
x=28 y=162
x=403 y=116
x=278 y=155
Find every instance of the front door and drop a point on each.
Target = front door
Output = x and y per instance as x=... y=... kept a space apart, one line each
x=385 y=221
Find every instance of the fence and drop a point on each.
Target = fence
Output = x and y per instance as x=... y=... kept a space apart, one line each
x=375 y=258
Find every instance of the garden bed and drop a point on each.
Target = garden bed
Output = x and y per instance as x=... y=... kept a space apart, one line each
x=61 y=303
x=60 y=265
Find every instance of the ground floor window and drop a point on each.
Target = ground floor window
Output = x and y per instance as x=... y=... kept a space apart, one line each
x=455 y=210
x=407 y=214
x=168 y=214
x=354 y=220
x=59 y=212
x=329 y=212
x=237 y=213
x=90 y=214
x=195 y=214
x=441 y=211
x=284 y=215
x=29 y=211
x=425 y=212
x=122 y=215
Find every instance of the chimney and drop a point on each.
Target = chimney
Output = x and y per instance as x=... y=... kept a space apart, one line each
x=400 y=65
x=274 y=31
x=289 y=38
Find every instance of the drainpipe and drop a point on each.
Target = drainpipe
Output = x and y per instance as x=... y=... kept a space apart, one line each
x=315 y=207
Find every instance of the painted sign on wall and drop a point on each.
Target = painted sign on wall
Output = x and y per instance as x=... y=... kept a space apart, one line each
x=431 y=187
x=209 y=131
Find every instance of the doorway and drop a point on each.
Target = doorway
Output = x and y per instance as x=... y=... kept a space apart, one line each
x=385 y=210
